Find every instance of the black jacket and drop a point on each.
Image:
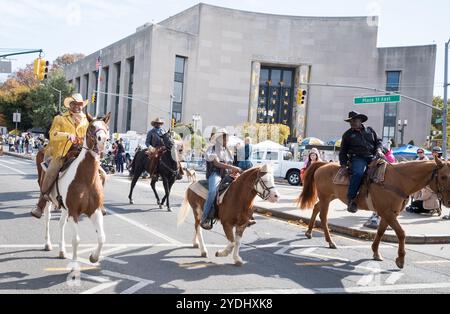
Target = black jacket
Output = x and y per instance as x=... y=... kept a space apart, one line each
x=360 y=143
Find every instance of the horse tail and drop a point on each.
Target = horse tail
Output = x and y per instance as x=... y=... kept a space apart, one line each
x=308 y=197
x=184 y=209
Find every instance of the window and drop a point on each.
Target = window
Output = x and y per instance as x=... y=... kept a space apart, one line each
x=178 y=87
x=130 y=93
x=105 y=95
x=390 y=109
x=272 y=155
x=287 y=156
x=77 y=84
x=86 y=90
x=116 y=102
x=94 y=105
x=258 y=155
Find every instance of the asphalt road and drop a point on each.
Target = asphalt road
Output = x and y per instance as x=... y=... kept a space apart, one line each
x=146 y=252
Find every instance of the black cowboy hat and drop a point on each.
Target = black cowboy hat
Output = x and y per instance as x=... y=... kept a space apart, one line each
x=356 y=115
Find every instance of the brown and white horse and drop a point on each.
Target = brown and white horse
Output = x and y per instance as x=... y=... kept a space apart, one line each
x=82 y=191
x=235 y=210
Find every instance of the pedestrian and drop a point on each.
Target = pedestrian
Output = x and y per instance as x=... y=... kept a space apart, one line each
x=313 y=157
x=421 y=155
x=437 y=152
x=244 y=155
x=425 y=201
x=120 y=155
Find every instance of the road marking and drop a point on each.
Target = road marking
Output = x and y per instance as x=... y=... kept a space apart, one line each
x=418 y=286
x=433 y=262
x=196 y=265
x=13 y=169
x=136 y=287
x=317 y=264
x=392 y=279
x=65 y=269
x=145 y=228
x=100 y=287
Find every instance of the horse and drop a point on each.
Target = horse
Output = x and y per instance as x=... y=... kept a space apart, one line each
x=167 y=168
x=235 y=210
x=387 y=199
x=81 y=189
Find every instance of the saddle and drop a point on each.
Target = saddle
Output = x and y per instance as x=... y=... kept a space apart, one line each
x=201 y=189
x=374 y=174
x=154 y=155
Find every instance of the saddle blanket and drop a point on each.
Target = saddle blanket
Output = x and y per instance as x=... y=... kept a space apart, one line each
x=201 y=189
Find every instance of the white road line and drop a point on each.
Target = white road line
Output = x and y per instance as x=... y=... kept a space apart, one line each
x=100 y=287
x=417 y=286
x=147 y=229
x=136 y=287
x=392 y=279
x=433 y=262
x=13 y=169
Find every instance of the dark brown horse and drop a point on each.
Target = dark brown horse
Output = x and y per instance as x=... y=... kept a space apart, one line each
x=387 y=199
x=235 y=210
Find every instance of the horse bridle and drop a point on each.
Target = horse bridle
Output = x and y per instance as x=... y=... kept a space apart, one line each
x=93 y=136
x=440 y=189
x=266 y=190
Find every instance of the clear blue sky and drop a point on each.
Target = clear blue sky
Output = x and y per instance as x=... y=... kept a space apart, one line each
x=85 y=26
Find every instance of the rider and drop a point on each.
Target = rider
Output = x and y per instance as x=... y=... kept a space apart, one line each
x=155 y=141
x=66 y=134
x=360 y=145
x=219 y=162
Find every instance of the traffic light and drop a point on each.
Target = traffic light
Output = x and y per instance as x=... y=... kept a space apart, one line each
x=41 y=68
x=93 y=98
x=174 y=122
x=301 y=96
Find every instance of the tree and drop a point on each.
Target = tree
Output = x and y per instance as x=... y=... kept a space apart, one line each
x=66 y=59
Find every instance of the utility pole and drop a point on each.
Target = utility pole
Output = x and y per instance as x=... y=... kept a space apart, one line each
x=445 y=111
x=171 y=109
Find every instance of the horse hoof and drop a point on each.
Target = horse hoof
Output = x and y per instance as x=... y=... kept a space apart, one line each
x=92 y=259
x=333 y=246
x=378 y=257
x=169 y=210
x=160 y=206
x=399 y=262
x=62 y=255
x=48 y=247
x=308 y=235
x=238 y=263
x=204 y=254
x=131 y=202
x=195 y=245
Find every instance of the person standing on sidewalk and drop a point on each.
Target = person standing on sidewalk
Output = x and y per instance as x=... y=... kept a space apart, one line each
x=360 y=145
x=120 y=153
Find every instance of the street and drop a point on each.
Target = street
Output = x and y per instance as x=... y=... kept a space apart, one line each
x=145 y=252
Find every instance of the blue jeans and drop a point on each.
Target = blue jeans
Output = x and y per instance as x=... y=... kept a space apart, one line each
x=359 y=165
x=119 y=163
x=213 y=183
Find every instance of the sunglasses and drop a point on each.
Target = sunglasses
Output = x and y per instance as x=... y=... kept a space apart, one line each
x=420 y=152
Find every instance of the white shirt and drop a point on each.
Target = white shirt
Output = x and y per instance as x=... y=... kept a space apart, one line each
x=223 y=154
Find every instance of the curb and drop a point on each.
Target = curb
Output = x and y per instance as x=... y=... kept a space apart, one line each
x=19 y=155
x=356 y=233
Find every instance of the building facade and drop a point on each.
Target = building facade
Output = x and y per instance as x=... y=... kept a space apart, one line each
x=230 y=67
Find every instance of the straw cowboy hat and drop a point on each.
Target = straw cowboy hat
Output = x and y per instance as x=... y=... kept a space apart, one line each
x=157 y=121
x=356 y=115
x=74 y=98
x=218 y=133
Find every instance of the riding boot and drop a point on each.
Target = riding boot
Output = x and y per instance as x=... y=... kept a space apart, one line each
x=352 y=208
x=39 y=207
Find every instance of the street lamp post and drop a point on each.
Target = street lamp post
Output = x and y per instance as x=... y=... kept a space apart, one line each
x=402 y=125
x=59 y=103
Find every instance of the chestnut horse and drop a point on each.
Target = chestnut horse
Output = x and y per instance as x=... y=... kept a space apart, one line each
x=81 y=189
x=235 y=210
x=387 y=199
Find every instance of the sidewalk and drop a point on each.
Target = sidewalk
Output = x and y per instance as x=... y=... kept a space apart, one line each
x=22 y=156
x=419 y=229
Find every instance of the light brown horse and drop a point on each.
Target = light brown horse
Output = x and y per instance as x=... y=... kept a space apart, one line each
x=235 y=210
x=387 y=199
x=81 y=189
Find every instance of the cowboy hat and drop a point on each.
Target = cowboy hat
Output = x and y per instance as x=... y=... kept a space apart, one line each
x=157 y=121
x=219 y=132
x=356 y=115
x=74 y=98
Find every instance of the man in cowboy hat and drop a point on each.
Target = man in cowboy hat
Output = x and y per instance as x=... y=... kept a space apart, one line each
x=360 y=145
x=219 y=162
x=66 y=135
x=154 y=135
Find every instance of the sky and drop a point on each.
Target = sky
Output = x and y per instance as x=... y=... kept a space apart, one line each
x=85 y=26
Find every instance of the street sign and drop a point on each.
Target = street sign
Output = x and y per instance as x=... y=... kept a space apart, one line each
x=5 y=66
x=16 y=117
x=376 y=99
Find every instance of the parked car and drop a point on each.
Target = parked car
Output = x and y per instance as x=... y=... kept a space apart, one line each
x=282 y=161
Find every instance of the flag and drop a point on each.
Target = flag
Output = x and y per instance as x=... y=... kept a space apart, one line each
x=98 y=64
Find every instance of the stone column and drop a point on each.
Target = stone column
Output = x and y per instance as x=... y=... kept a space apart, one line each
x=302 y=75
x=254 y=92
